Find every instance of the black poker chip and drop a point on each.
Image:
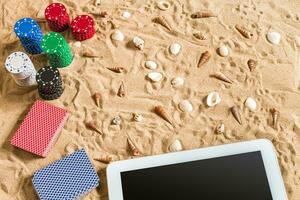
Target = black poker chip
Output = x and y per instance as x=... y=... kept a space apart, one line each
x=51 y=96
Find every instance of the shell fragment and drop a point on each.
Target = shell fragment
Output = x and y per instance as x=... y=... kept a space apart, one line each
x=126 y=14
x=138 y=43
x=178 y=81
x=213 y=99
x=163 y=5
x=117 y=35
x=185 y=106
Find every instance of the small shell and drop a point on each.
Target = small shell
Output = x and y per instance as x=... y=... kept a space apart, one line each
x=275 y=116
x=117 y=69
x=220 y=128
x=175 y=48
x=178 y=81
x=223 y=51
x=97 y=2
x=117 y=35
x=213 y=99
x=77 y=44
x=247 y=34
x=138 y=43
x=297 y=38
x=236 y=114
x=175 y=146
x=203 y=14
x=155 y=76
x=204 y=58
x=126 y=14
x=121 y=91
x=92 y=126
x=150 y=64
x=89 y=53
x=199 y=36
x=159 y=110
x=101 y=14
x=185 y=106
x=116 y=120
x=40 y=16
x=97 y=98
x=274 y=37
x=133 y=148
x=137 y=117
x=252 y=64
x=162 y=21
x=163 y=5
x=251 y=104
x=222 y=77
x=105 y=159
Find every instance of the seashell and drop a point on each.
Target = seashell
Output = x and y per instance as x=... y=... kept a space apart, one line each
x=97 y=2
x=236 y=114
x=274 y=37
x=117 y=35
x=137 y=117
x=77 y=44
x=204 y=58
x=213 y=99
x=93 y=127
x=89 y=53
x=138 y=43
x=155 y=76
x=297 y=38
x=105 y=159
x=162 y=21
x=275 y=116
x=114 y=25
x=116 y=69
x=221 y=77
x=178 y=81
x=220 y=128
x=133 y=148
x=247 y=34
x=185 y=106
x=121 y=91
x=252 y=64
x=223 y=51
x=97 y=98
x=251 y=104
x=40 y=16
x=175 y=146
x=159 y=110
x=199 y=36
x=175 y=48
x=101 y=14
x=163 y=5
x=203 y=14
x=150 y=64
x=126 y=14
x=116 y=120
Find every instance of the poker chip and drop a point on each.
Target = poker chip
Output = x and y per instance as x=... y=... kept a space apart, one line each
x=30 y=35
x=82 y=27
x=29 y=81
x=57 y=17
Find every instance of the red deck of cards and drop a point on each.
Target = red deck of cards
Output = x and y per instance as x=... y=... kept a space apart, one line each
x=40 y=128
x=82 y=27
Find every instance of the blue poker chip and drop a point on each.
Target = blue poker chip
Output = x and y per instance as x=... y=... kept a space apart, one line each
x=27 y=28
x=69 y=178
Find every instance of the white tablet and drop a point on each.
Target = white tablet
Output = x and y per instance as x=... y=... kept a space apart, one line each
x=245 y=170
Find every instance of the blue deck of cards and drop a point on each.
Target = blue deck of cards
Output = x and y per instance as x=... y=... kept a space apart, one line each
x=69 y=178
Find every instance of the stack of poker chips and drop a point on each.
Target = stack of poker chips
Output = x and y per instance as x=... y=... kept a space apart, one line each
x=57 y=50
x=21 y=68
x=30 y=35
x=69 y=178
x=49 y=83
x=57 y=17
x=82 y=27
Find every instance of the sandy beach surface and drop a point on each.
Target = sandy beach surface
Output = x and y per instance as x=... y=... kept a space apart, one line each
x=274 y=83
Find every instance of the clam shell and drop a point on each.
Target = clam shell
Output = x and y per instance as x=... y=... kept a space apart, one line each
x=213 y=99
x=138 y=43
x=175 y=48
x=175 y=146
x=155 y=76
x=126 y=14
x=77 y=44
x=185 y=106
x=178 y=81
x=251 y=104
x=163 y=5
x=117 y=35
x=274 y=37
x=150 y=64
x=223 y=51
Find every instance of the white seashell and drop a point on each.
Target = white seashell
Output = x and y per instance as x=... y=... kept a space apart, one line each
x=175 y=146
x=77 y=44
x=274 y=37
x=155 y=76
x=126 y=14
x=116 y=120
x=297 y=38
x=185 y=106
x=175 y=48
x=138 y=42
x=213 y=99
x=223 y=51
x=178 y=81
x=163 y=5
x=251 y=103
x=117 y=35
x=150 y=64
x=137 y=117
x=97 y=2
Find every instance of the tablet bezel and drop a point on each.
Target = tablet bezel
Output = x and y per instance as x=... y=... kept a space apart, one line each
x=263 y=145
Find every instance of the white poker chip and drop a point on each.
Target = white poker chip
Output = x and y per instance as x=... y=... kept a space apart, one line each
x=29 y=81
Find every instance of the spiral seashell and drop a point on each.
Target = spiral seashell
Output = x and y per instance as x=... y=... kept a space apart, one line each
x=236 y=114
x=116 y=69
x=159 y=110
x=203 y=14
x=97 y=98
x=105 y=159
x=199 y=36
x=162 y=21
x=89 y=53
x=252 y=64
x=91 y=125
x=247 y=34
x=121 y=91
x=133 y=148
x=175 y=146
x=275 y=116
x=137 y=117
x=220 y=76
x=204 y=58
x=138 y=43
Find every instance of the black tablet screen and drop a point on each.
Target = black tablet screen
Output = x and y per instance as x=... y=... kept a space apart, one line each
x=235 y=177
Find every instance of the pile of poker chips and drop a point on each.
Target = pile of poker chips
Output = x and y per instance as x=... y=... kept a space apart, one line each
x=21 y=68
x=49 y=83
x=57 y=17
x=82 y=27
x=69 y=178
x=57 y=50
x=30 y=35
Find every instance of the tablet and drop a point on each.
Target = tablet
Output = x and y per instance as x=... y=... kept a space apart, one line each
x=246 y=170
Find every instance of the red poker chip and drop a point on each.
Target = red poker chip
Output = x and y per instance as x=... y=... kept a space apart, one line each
x=83 y=27
x=57 y=17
